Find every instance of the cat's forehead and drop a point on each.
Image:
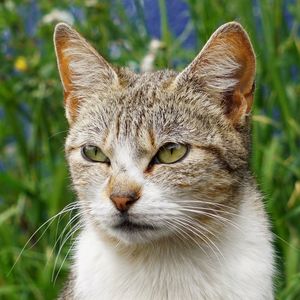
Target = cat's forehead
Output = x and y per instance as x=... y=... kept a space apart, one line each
x=146 y=88
x=147 y=104
x=147 y=110
x=150 y=99
x=140 y=98
x=155 y=95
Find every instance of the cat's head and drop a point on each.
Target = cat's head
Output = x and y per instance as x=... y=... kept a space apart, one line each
x=158 y=154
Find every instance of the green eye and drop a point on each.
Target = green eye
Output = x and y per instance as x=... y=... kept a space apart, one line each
x=93 y=153
x=171 y=153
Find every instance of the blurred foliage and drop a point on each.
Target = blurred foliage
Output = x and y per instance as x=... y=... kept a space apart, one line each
x=34 y=181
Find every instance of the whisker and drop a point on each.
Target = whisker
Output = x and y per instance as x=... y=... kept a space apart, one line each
x=73 y=219
x=213 y=216
x=217 y=210
x=57 y=133
x=67 y=254
x=192 y=226
x=194 y=223
x=71 y=233
x=177 y=229
x=207 y=202
x=180 y=225
x=67 y=208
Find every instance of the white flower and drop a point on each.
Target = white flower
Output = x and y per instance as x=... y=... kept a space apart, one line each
x=91 y=3
x=149 y=58
x=57 y=15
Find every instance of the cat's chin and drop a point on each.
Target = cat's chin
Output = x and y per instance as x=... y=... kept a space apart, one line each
x=136 y=238
x=132 y=233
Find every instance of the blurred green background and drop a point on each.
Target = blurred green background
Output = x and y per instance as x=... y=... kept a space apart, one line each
x=34 y=181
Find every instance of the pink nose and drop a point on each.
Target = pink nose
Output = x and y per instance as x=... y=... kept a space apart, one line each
x=123 y=201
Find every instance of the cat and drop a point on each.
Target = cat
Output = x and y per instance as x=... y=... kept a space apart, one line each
x=160 y=164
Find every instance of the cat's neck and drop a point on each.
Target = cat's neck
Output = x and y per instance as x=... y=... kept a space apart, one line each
x=166 y=264
x=177 y=268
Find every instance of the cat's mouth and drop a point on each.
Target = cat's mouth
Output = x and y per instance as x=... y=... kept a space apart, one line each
x=128 y=226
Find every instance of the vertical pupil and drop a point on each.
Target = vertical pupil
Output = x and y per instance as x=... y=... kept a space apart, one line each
x=95 y=151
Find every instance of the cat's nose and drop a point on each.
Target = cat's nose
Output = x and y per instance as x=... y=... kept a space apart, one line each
x=123 y=201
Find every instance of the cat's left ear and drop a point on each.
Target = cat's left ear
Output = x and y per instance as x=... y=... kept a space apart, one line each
x=82 y=70
x=226 y=67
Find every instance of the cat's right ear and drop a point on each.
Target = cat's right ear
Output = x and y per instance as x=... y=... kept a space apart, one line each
x=81 y=69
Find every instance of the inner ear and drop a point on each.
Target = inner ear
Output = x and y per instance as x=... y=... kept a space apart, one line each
x=236 y=104
x=226 y=66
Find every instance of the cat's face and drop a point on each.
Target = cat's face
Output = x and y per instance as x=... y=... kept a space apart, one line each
x=158 y=154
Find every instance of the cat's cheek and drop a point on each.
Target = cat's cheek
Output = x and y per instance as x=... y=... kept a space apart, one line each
x=99 y=207
x=90 y=181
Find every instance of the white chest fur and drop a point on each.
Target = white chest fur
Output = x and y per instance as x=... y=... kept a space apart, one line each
x=244 y=271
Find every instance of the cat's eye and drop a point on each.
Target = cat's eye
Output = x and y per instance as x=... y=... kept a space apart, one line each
x=171 y=153
x=94 y=153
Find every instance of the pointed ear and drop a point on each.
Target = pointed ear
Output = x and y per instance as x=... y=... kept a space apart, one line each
x=226 y=66
x=82 y=70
